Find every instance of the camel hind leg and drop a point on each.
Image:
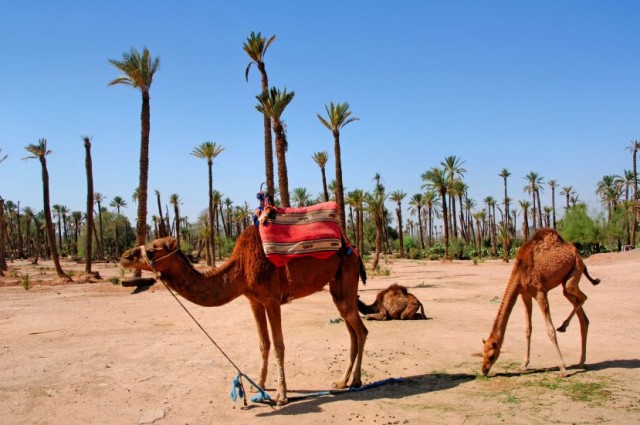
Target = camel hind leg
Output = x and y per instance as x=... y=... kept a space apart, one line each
x=573 y=293
x=345 y=300
x=584 y=326
x=411 y=311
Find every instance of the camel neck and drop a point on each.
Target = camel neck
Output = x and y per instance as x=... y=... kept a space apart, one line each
x=506 y=306
x=210 y=289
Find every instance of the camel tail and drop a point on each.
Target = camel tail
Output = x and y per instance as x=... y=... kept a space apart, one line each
x=365 y=309
x=424 y=316
x=592 y=280
x=363 y=272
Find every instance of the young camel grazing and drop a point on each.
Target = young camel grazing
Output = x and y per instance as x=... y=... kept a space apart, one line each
x=395 y=302
x=542 y=263
x=248 y=272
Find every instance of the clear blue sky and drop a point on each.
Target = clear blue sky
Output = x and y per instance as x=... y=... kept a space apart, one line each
x=545 y=86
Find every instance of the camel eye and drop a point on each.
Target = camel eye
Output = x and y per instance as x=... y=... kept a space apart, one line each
x=491 y=357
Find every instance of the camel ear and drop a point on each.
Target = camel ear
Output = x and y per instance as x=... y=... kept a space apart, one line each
x=484 y=341
x=170 y=244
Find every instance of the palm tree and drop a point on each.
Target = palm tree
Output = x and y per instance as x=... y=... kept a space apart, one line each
x=397 y=196
x=321 y=159
x=175 y=201
x=436 y=179
x=209 y=150
x=217 y=209
x=525 y=205
x=453 y=167
x=117 y=202
x=135 y=195
x=505 y=174
x=431 y=203
x=534 y=187
x=416 y=203
x=57 y=208
x=633 y=148
x=357 y=198
x=273 y=103
x=626 y=181
x=256 y=47
x=567 y=191
x=338 y=116
x=89 y=212
x=375 y=207
x=3 y=238
x=491 y=215
x=99 y=198
x=301 y=197
x=139 y=70
x=553 y=184
x=76 y=216
x=609 y=191
x=479 y=216
x=228 y=206
x=39 y=151
x=162 y=227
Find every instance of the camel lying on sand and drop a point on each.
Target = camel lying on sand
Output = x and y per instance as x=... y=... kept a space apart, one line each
x=395 y=302
x=248 y=272
x=542 y=263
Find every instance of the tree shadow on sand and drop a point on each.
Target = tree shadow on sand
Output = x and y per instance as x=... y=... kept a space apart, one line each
x=409 y=386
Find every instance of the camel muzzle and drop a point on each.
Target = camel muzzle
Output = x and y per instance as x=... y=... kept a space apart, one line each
x=130 y=257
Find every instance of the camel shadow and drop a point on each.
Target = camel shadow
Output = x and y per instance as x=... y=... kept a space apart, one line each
x=409 y=386
x=575 y=370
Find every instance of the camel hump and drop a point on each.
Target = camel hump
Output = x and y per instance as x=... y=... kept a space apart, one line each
x=398 y=289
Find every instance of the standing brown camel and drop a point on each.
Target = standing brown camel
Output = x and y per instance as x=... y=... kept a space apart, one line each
x=248 y=272
x=542 y=263
x=395 y=302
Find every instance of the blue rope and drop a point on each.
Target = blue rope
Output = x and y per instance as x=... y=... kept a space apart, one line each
x=257 y=398
x=237 y=390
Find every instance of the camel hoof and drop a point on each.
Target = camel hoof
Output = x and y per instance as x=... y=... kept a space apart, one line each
x=562 y=328
x=356 y=384
x=339 y=385
x=281 y=401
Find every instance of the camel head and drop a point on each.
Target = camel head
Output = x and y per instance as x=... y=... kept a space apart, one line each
x=491 y=351
x=156 y=251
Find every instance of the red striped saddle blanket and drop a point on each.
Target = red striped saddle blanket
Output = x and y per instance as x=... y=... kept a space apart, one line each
x=298 y=232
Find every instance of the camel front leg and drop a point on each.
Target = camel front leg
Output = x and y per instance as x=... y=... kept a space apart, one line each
x=526 y=299
x=260 y=317
x=274 y=315
x=543 y=302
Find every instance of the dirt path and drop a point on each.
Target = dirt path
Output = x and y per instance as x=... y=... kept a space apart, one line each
x=97 y=354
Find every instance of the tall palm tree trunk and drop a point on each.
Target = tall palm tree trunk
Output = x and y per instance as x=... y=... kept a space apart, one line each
x=51 y=234
x=339 y=185
x=400 y=235
x=3 y=236
x=446 y=225
x=634 y=223
x=89 y=171
x=283 y=179
x=211 y=259
x=145 y=129
x=268 y=140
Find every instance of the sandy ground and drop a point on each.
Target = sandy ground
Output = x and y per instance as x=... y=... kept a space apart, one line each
x=99 y=354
